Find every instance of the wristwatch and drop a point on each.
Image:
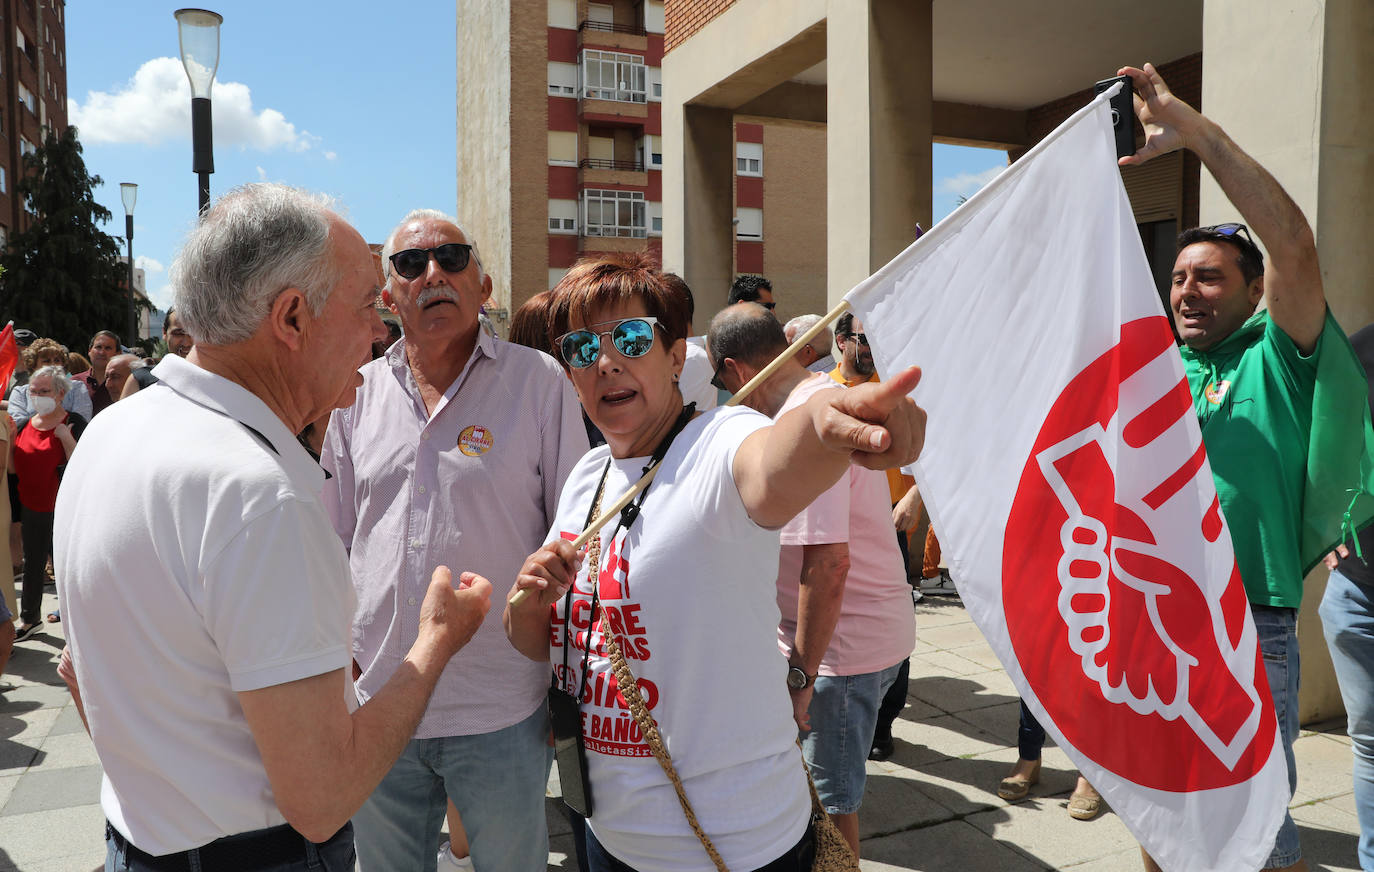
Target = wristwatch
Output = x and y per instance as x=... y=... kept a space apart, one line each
x=797 y=679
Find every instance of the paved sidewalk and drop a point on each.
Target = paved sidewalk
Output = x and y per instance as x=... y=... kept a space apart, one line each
x=933 y=807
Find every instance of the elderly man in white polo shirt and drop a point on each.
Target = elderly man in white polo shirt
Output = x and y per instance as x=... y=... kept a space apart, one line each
x=205 y=595
x=454 y=452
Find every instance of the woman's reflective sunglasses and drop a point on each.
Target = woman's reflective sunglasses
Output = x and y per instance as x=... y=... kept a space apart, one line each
x=451 y=256
x=632 y=337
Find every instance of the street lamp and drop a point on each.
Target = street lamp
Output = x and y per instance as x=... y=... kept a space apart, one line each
x=128 y=192
x=198 y=34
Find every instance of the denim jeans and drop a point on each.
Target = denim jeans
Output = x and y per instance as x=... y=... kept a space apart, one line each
x=335 y=855
x=1347 y=614
x=497 y=781
x=1278 y=641
x=844 y=711
x=1030 y=736
x=798 y=859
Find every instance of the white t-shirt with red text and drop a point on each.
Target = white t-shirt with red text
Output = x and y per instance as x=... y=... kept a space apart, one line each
x=688 y=591
x=876 y=628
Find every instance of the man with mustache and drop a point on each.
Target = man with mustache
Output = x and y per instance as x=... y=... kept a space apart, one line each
x=453 y=453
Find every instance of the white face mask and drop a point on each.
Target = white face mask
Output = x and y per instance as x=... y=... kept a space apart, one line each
x=44 y=405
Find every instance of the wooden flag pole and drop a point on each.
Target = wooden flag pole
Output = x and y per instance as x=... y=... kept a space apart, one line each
x=738 y=398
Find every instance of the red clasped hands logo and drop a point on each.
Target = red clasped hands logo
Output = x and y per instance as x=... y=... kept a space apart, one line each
x=1122 y=597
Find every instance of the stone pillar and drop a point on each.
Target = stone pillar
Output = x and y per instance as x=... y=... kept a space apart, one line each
x=878 y=137
x=1289 y=81
x=704 y=252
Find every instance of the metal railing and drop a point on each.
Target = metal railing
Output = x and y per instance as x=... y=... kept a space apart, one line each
x=592 y=163
x=633 y=29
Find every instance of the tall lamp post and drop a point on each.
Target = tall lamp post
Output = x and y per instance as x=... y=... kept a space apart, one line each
x=198 y=34
x=128 y=192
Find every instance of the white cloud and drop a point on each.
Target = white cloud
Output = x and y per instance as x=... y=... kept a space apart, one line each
x=262 y=174
x=162 y=299
x=330 y=155
x=967 y=183
x=155 y=107
x=147 y=264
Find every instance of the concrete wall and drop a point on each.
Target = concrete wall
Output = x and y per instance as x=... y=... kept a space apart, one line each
x=794 y=216
x=484 y=134
x=529 y=181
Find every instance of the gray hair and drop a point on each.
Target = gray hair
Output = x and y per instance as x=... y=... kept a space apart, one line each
x=802 y=323
x=134 y=361
x=61 y=380
x=257 y=241
x=426 y=215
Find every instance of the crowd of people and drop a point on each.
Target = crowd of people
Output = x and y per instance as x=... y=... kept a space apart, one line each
x=353 y=598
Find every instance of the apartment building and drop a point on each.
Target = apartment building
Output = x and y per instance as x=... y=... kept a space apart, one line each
x=33 y=80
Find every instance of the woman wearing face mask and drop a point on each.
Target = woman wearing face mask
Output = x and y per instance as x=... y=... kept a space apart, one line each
x=39 y=451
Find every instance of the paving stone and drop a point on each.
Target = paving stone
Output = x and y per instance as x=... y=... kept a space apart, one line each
x=1329 y=849
x=66 y=751
x=1000 y=721
x=1045 y=831
x=959 y=693
x=7 y=783
x=954 y=846
x=933 y=612
x=1324 y=768
x=950 y=661
x=71 y=838
x=892 y=804
x=68 y=721
x=47 y=789
x=1126 y=860
x=954 y=636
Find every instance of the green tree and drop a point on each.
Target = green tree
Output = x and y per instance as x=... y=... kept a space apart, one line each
x=62 y=275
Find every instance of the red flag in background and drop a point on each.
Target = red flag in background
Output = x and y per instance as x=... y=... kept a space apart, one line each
x=9 y=354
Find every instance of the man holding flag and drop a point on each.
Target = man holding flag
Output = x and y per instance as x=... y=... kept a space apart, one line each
x=1253 y=376
x=1077 y=506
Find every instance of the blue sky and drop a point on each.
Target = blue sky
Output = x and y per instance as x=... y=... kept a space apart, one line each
x=349 y=98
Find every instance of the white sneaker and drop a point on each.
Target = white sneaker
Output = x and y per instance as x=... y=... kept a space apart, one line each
x=449 y=863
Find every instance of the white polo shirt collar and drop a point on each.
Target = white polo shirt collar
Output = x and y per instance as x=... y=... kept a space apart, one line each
x=233 y=400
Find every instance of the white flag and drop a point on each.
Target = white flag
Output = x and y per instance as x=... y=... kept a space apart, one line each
x=1065 y=476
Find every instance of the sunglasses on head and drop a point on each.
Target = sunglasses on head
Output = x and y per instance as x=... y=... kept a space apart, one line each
x=632 y=337
x=1230 y=229
x=451 y=256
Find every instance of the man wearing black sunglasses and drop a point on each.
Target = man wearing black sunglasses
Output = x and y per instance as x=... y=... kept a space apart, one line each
x=454 y=453
x=751 y=289
x=1266 y=385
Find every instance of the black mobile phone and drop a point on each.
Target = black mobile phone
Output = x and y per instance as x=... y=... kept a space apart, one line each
x=565 y=715
x=1123 y=114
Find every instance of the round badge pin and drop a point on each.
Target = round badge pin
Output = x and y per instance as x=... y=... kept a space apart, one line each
x=475 y=440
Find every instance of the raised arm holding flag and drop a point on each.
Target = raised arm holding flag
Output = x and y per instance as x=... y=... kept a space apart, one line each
x=1269 y=388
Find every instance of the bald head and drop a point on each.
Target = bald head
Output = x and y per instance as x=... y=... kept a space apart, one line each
x=746 y=332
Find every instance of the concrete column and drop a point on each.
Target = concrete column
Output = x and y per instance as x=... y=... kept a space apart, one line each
x=707 y=253
x=1299 y=105
x=878 y=138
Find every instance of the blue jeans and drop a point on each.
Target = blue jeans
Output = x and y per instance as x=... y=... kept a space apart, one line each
x=1278 y=641
x=335 y=855
x=1030 y=736
x=496 y=780
x=1347 y=614
x=844 y=712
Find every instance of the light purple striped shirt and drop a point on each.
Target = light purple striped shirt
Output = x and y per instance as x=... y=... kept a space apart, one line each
x=473 y=487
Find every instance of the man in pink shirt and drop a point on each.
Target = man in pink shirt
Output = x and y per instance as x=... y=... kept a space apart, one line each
x=847 y=625
x=454 y=452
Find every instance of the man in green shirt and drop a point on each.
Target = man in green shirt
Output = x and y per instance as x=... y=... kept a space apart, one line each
x=1252 y=376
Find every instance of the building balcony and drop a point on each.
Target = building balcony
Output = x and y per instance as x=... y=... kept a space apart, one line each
x=594 y=172
x=623 y=112
x=630 y=37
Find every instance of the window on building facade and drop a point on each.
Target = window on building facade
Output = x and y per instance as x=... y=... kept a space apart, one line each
x=4 y=183
x=608 y=75
x=749 y=158
x=4 y=237
x=614 y=213
x=749 y=224
x=562 y=79
x=26 y=97
x=26 y=147
x=562 y=216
